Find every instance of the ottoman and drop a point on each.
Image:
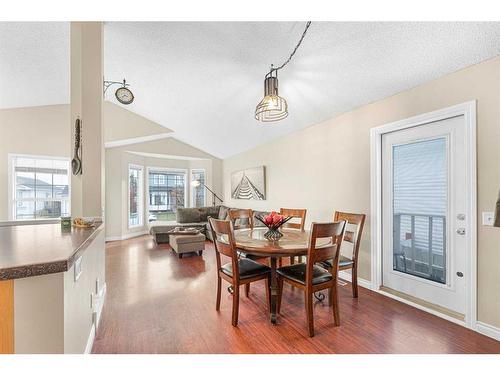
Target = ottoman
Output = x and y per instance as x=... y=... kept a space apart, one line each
x=188 y=243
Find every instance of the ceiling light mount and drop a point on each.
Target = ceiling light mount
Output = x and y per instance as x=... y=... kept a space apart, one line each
x=274 y=107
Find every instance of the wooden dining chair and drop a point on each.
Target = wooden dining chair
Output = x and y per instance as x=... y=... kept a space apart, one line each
x=296 y=213
x=310 y=276
x=354 y=237
x=241 y=218
x=240 y=271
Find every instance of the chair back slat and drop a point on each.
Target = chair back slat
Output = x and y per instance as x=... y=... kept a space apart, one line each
x=324 y=253
x=224 y=242
x=349 y=236
x=295 y=213
x=241 y=218
x=333 y=231
x=354 y=237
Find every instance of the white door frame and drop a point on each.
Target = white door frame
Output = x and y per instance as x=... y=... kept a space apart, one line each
x=468 y=110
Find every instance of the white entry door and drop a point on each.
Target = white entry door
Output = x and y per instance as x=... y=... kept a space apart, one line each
x=424 y=200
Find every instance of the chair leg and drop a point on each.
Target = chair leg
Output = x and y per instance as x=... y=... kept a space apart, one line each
x=309 y=312
x=355 y=282
x=335 y=300
x=247 y=289
x=280 y=294
x=268 y=293
x=219 y=286
x=236 y=305
x=330 y=297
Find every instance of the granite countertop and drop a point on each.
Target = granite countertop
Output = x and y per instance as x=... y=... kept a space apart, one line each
x=32 y=250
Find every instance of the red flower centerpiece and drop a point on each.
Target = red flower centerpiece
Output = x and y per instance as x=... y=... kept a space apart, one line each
x=273 y=222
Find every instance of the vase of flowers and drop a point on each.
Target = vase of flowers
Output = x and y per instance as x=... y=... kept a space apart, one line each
x=273 y=222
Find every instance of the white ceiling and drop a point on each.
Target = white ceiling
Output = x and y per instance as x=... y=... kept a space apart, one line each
x=203 y=79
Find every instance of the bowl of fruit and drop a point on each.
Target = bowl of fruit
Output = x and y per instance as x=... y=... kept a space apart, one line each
x=83 y=222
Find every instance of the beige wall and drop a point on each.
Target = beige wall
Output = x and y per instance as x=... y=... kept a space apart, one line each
x=40 y=131
x=45 y=131
x=117 y=162
x=326 y=167
x=120 y=123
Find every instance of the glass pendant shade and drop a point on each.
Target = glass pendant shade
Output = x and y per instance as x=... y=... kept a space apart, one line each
x=272 y=107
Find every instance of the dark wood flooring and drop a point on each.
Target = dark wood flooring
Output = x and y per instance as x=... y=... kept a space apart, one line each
x=157 y=303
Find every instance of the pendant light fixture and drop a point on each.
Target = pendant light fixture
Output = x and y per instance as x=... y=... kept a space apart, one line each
x=274 y=107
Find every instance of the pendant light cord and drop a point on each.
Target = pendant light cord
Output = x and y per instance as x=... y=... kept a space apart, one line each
x=294 y=50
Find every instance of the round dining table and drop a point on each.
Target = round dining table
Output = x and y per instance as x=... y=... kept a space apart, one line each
x=293 y=243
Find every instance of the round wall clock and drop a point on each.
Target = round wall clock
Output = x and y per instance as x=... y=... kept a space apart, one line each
x=124 y=95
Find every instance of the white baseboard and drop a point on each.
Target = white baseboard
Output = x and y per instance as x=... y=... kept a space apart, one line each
x=90 y=340
x=97 y=310
x=100 y=304
x=488 y=330
x=344 y=275
x=126 y=236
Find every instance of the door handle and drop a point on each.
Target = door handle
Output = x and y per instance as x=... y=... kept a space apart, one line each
x=460 y=274
x=461 y=231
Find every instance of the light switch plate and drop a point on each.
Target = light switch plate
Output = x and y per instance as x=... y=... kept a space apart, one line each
x=488 y=218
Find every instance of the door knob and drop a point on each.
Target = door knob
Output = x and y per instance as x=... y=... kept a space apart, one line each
x=460 y=274
x=461 y=231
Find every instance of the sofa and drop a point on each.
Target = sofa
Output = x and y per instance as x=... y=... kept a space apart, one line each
x=193 y=218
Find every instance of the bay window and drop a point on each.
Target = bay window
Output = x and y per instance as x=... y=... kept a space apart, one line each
x=167 y=192
x=135 y=193
x=198 y=198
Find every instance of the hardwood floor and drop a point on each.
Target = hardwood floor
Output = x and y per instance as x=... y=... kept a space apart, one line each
x=157 y=303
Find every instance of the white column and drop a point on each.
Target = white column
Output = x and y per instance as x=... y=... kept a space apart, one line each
x=87 y=189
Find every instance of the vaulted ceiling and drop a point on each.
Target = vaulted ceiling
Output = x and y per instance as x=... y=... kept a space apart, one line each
x=203 y=79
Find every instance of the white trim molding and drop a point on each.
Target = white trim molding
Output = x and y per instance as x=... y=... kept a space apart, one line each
x=132 y=141
x=468 y=110
x=99 y=303
x=127 y=236
x=90 y=340
x=488 y=330
x=347 y=276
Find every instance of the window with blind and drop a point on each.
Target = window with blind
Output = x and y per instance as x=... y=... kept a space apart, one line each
x=167 y=192
x=136 y=193
x=420 y=198
x=198 y=192
x=40 y=187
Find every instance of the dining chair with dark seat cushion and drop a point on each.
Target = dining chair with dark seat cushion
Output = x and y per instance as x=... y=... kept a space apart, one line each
x=243 y=218
x=343 y=262
x=310 y=276
x=247 y=267
x=354 y=237
x=296 y=213
x=297 y=272
x=239 y=271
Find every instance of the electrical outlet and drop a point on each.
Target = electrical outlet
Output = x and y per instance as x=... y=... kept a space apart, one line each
x=488 y=218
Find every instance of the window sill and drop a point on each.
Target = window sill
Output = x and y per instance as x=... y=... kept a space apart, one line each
x=29 y=222
x=136 y=226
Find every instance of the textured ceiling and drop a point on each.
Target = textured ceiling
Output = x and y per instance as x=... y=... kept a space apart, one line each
x=203 y=79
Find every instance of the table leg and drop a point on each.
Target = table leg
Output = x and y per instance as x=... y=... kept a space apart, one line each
x=274 y=290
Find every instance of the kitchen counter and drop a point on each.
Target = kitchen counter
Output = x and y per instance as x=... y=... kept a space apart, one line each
x=33 y=250
x=52 y=287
